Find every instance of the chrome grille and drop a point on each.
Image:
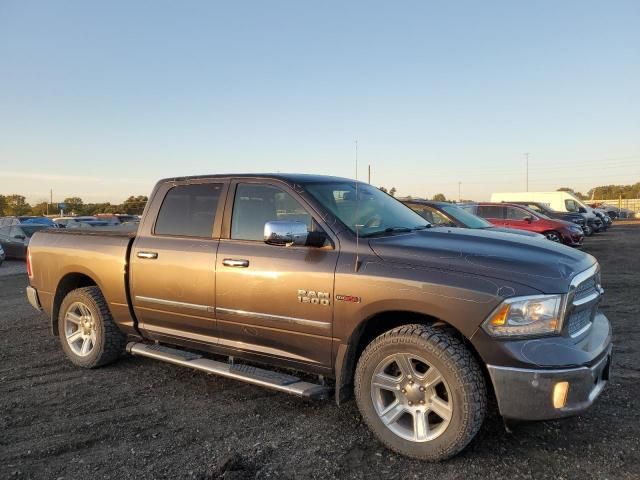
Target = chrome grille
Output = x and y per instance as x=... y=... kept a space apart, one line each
x=579 y=320
x=583 y=313
x=586 y=288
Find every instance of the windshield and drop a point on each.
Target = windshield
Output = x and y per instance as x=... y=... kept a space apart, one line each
x=29 y=230
x=465 y=217
x=372 y=211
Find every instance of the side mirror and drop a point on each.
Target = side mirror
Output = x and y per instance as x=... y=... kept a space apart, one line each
x=19 y=237
x=528 y=219
x=582 y=210
x=285 y=233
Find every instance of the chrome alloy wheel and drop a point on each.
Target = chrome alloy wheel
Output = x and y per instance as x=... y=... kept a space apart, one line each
x=411 y=397
x=553 y=236
x=80 y=329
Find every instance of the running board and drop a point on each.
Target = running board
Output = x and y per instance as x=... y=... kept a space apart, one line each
x=245 y=373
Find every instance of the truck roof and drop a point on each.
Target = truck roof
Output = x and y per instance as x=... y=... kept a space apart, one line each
x=291 y=178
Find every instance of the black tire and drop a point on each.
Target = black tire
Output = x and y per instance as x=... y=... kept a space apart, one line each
x=110 y=342
x=588 y=231
x=457 y=366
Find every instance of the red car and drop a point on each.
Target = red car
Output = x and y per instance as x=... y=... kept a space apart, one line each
x=523 y=218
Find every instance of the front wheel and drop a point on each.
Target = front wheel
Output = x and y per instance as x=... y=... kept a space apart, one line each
x=89 y=336
x=421 y=392
x=553 y=236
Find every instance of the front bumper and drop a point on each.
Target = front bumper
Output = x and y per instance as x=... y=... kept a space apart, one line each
x=572 y=238
x=32 y=296
x=525 y=394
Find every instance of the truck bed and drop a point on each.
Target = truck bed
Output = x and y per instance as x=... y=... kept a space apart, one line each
x=98 y=256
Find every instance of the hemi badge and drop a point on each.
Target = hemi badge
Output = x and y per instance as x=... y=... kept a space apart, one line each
x=348 y=298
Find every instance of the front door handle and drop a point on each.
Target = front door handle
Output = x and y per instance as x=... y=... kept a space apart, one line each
x=230 y=262
x=148 y=255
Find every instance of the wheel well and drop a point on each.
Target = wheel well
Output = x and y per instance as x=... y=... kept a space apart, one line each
x=68 y=283
x=380 y=323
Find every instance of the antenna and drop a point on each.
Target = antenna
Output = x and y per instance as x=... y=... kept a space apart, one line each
x=526 y=159
x=357 y=264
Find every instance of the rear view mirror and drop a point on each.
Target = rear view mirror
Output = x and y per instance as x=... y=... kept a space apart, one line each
x=285 y=233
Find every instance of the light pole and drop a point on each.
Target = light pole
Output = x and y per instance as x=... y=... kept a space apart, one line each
x=459 y=185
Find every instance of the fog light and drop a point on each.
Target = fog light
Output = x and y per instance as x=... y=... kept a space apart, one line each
x=560 y=392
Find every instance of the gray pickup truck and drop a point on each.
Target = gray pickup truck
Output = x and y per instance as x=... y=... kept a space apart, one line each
x=334 y=278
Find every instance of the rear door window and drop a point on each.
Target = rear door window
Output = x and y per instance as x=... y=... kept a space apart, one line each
x=490 y=211
x=189 y=210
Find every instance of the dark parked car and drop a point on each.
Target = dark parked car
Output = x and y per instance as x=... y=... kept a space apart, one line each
x=518 y=216
x=443 y=214
x=14 y=239
x=573 y=217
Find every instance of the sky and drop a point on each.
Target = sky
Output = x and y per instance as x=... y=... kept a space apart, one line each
x=101 y=99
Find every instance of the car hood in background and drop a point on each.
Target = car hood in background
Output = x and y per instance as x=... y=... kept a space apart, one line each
x=524 y=233
x=544 y=265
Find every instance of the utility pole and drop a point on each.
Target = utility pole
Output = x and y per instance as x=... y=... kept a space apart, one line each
x=526 y=157
x=459 y=185
x=369 y=176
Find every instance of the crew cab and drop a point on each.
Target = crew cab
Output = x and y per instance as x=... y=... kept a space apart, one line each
x=334 y=278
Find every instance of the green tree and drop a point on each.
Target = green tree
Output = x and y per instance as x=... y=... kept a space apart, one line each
x=39 y=209
x=134 y=205
x=3 y=204
x=384 y=190
x=571 y=190
x=73 y=205
x=439 y=197
x=393 y=191
x=16 y=205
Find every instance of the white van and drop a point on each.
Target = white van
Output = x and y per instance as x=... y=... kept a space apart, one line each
x=560 y=201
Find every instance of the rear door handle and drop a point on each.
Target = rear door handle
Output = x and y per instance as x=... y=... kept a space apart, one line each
x=230 y=262
x=148 y=255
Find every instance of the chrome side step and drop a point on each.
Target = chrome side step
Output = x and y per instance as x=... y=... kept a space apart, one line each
x=245 y=373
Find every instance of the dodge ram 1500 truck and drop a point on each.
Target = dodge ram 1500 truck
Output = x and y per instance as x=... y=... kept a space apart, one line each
x=335 y=278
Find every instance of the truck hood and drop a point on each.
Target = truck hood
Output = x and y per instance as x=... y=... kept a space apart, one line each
x=543 y=265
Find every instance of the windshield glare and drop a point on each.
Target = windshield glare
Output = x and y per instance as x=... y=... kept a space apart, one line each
x=371 y=212
x=465 y=217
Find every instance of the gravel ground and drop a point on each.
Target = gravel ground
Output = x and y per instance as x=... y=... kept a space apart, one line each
x=12 y=267
x=143 y=419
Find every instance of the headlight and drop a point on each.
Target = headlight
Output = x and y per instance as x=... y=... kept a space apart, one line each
x=524 y=316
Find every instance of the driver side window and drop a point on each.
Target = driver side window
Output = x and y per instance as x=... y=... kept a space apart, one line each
x=514 y=213
x=254 y=205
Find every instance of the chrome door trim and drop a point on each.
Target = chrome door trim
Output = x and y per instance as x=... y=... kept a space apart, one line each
x=172 y=303
x=268 y=316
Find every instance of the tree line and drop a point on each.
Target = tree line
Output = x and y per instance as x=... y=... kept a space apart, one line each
x=16 y=205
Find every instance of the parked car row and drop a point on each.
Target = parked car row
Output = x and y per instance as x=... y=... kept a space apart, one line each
x=530 y=212
x=16 y=231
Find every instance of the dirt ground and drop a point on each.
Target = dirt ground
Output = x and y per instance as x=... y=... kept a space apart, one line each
x=140 y=418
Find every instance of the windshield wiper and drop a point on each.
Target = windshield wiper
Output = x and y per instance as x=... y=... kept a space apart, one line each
x=422 y=227
x=388 y=230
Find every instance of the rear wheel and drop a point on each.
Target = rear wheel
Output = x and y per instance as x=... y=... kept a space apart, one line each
x=553 y=236
x=421 y=392
x=89 y=336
